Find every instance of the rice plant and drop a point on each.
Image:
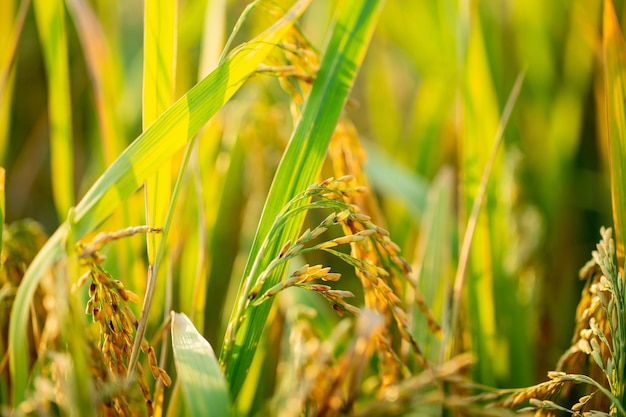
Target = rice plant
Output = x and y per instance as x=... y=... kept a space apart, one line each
x=312 y=208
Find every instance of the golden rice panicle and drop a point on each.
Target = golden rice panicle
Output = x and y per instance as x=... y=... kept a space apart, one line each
x=592 y=324
x=382 y=271
x=112 y=399
x=341 y=386
x=108 y=306
x=391 y=366
x=52 y=384
x=348 y=158
x=581 y=405
x=376 y=259
x=21 y=241
x=544 y=391
x=578 y=358
x=309 y=370
x=392 y=274
x=594 y=361
x=145 y=391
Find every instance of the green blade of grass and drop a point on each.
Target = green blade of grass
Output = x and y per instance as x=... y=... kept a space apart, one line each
x=103 y=69
x=10 y=30
x=202 y=383
x=353 y=27
x=224 y=242
x=481 y=302
x=199 y=216
x=433 y=255
x=209 y=220
x=614 y=49
x=159 y=58
x=158 y=88
x=158 y=143
x=476 y=276
x=154 y=268
x=50 y=16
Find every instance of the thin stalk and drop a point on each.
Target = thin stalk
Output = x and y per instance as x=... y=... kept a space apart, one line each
x=152 y=271
x=459 y=280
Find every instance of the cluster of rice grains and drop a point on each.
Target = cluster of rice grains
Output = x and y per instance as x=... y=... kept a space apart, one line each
x=382 y=327
x=21 y=241
x=108 y=307
x=595 y=361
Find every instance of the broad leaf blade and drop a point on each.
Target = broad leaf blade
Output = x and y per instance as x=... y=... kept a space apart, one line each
x=203 y=385
x=158 y=143
x=103 y=68
x=299 y=167
x=614 y=49
x=158 y=93
x=50 y=16
x=11 y=25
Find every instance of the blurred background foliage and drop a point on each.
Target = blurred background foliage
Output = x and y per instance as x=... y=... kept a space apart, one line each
x=427 y=105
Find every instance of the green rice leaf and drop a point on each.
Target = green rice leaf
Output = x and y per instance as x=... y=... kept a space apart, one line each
x=301 y=162
x=480 y=123
x=202 y=383
x=50 y=16
x=159 y=58
x=154 y=146
x=224 y=242
x=433 y=254
x=104 y=69
x=614 y=49
x=10 y=30
x=158 y=89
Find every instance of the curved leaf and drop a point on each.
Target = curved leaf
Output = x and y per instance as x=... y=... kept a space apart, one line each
x=50 y=16
x=11 y=24
x=203 y=385
x=103 y=67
